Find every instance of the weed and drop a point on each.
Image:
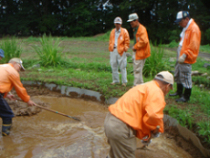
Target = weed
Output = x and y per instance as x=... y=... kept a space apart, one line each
x=50 y=52
x=155 y=62
x=11 y=48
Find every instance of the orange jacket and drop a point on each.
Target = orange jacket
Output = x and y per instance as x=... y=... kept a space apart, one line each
x=142 y=46
x=141 y=108
x=123 y=41
x=191 y=43
x=10 y=78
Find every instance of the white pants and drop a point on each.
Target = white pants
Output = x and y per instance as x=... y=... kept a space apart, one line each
x=138 y=70
x=121 y=61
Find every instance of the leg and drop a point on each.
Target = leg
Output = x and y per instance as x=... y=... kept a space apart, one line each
x=186 y=80
x=6 y=126
x=138 y=70
x=6 y=114
x=179 y=90
x=121 y=138
x=122 y=60
x=114 y=65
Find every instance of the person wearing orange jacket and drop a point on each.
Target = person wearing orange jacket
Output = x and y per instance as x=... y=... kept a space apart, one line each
x=10 y=78
x=141 y=48
x=118 y=45
x=136 y=114
x=187 y=54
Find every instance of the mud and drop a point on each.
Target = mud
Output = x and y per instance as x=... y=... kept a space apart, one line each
x=169 y=145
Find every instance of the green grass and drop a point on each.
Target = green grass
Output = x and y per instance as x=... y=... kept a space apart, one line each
x=204 y=130
x=205 y=48
x=184 y=117
x=11 y=47
x=155 y=63
x=49 y=53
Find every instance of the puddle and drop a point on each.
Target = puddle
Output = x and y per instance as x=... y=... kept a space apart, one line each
x=49 y=135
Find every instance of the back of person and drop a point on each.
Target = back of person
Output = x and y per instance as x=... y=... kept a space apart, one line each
x=6 y=71
x=134 y=104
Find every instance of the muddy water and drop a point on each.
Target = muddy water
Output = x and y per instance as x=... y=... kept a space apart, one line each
x=49 y=135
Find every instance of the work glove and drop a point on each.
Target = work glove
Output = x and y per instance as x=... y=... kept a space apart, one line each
x=155 y=135
x=146 y=143
x=182 y=58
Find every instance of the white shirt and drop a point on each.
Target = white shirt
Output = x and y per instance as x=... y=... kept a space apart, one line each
x=182 y=34
x=117 y=33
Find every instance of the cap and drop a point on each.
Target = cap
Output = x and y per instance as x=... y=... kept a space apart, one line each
x=118 y=20
x=19 y=61
x=167 y=77
x=132 y=17
x=1 y=53
x=181 y=15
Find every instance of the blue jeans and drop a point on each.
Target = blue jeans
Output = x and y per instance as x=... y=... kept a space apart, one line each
x=6 y=112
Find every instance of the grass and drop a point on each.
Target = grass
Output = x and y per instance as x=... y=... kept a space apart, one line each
x=184 y=117
x=84 y=63
x=11 y=47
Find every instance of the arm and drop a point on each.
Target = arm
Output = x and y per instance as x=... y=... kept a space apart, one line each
x=111 y=46
x=154 y=114
x=142 y=41
x=193 y=48
x=21 y=91
x=127 y=40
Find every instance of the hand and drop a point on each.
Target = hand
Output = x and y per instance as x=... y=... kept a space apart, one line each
x=155 y=135
x=11 y=96
x=182 y=58
x=133 y=49
x=146 y=143
x=31 y=103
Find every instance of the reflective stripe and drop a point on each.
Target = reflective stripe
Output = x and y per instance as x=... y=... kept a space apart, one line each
x=6 y=124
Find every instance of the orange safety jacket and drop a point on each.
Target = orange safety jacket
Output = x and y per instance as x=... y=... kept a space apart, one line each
x=142 y=45
x=141 y=108
x=191 y=43
x=10 y=78
x=123 y=41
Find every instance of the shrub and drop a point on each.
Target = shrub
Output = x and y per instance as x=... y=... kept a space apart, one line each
x=155 y=62
x=11 y=49
x=173 y=44
x=49 y=53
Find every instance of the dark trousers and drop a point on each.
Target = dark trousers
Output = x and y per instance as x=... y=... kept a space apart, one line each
x=6 y=112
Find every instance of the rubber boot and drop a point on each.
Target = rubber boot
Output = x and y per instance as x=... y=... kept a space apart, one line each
x=6 y=129
x=178 y=91
x=186 y=96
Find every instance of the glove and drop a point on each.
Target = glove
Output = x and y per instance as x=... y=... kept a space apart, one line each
x=182 y=58
x=146 y=143
x=155 y=135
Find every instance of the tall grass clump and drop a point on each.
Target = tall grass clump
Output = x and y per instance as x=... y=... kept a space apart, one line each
x=11 y=48
x=49 y=53
x=155 y=63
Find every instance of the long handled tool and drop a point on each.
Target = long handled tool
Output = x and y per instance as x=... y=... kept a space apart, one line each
x=75 y=118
